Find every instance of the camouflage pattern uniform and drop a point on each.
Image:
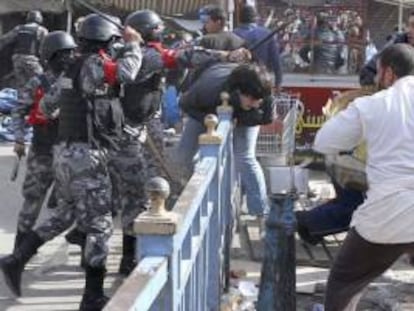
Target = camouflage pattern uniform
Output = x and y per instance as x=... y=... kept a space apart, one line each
x=155 y=129
x=80 y=167
x=39 y=174
x=84 y=195
x=127 y=168
x=25 y=66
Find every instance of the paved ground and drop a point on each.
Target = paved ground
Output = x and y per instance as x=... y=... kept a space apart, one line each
x=54 y=281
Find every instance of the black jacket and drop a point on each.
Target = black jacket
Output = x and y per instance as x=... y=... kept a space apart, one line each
x=203 y=97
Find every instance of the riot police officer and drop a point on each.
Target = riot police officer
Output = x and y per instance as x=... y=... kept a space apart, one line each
x=57 y=48
x=90 y=121
x=26 y=40
x=141 y=105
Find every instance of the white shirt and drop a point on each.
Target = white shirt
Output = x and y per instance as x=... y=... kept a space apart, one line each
x=385 y=121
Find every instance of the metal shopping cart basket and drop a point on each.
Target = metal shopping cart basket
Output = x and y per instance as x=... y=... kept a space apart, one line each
x=276 y=145
x=278 y=138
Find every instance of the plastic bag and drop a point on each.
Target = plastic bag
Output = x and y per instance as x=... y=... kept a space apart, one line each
x=8 y=100
x=6 y=131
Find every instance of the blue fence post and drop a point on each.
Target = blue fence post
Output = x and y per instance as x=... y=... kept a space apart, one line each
x=210 y=147
x=278 y=277
x=225 y=113
x=155 y=230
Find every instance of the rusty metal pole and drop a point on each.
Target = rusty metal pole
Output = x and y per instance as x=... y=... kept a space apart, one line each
x=278 y=279
x=278 y=276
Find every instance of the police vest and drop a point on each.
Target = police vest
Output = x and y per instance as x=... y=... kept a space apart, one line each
x=96 y=119
x=27 y=41
x=141 y=99
x=44 y=130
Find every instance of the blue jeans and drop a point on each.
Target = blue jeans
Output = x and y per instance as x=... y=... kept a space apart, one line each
x=188 y=145
x=170 y=109
x=251 y=173
x=244 y=142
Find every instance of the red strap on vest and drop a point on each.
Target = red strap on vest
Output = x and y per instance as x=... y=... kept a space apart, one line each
x=36 y=116
x=110 y=68
x=168 y=56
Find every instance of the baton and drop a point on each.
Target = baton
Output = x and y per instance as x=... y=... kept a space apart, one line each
x=15 y=169
x=155 y=152
x=268 y=37
x=100 y=13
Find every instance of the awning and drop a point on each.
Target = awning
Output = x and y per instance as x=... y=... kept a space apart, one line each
x=164 y=7
x=13 y=6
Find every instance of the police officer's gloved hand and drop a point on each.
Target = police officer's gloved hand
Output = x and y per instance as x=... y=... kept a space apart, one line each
x=19 y=149
x=131 y=35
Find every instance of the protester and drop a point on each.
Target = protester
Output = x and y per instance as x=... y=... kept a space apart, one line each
x=381 y=228
x=268 y=53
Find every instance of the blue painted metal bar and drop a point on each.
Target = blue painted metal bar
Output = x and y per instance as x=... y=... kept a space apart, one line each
x=198 y=249
x=213 y=290
x=148 y=280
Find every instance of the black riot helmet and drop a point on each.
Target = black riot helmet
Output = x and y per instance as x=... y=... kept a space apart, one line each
x=34 y=17
x=97 y=28
x=145 y=22
x=56 y=41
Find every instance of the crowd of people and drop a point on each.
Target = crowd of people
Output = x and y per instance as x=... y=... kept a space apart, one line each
x=94 y=102
x=306 y=34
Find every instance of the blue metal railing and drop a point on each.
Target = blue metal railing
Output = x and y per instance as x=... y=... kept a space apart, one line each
x=184 y=254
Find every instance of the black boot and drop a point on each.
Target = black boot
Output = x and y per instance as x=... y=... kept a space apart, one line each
x=20 y=236
x=13 y=265
x=93 y=298
x=76 y=237
x=128 y=261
